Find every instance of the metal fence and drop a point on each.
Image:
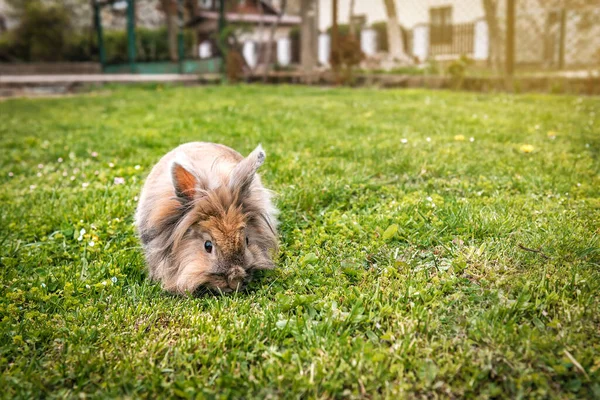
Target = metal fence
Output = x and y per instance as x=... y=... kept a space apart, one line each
x=504 y=36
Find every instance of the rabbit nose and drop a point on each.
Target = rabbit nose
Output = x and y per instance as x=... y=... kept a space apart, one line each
x=235 y=277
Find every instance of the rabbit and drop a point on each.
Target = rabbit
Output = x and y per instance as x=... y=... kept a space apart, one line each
x=205 y=220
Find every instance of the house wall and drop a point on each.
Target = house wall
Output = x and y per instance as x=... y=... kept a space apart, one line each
x=256 y=35
x=410 y=12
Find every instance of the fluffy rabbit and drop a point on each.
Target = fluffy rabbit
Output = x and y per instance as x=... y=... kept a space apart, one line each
x=205 y=219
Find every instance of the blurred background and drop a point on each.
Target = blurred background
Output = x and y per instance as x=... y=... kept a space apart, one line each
x=465 y=43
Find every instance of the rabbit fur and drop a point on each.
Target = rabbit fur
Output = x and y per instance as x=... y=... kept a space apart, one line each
x=200 y=194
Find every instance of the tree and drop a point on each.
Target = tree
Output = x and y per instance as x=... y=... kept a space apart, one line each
x=193 y=10
x=395 y=42
x=169 y=7
x=495 y=41
x=272 y=38
x=335 y=42
x=308 y=37
x=43 y=31
x=351 y=19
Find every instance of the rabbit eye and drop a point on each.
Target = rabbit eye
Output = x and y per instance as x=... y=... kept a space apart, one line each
x=208 y=246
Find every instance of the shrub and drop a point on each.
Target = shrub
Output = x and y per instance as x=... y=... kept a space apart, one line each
x=350 y=55
x=151 y=45
x=382 y=38
x=343 y=30
x=44 y=34
x=458 y=69
x=41 y=34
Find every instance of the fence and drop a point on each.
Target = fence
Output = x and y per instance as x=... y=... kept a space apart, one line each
x=504 y=36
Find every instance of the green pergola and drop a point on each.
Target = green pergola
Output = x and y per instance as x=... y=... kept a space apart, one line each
x=134 y=67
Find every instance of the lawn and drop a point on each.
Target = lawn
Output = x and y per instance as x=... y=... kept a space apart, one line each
x=432 y=243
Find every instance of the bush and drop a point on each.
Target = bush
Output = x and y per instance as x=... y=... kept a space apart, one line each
x=343 y=30
x=81 y=47
x=458 y=69
x=41 y=35
x=152 y=45
x=382 y=37
x=350 y=55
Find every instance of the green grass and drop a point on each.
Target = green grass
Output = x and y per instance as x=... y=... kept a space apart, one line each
x=400 y=272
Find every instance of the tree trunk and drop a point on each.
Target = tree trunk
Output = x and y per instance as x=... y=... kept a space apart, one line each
x=494 y=41
x=308 y=37
x=170 y=9
x=395 y=43
x=351 y=19
x=269 y=51
x=335 y=42
x=259 y=45
x=194 y=11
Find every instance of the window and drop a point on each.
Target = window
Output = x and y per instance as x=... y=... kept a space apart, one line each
x=441 y=25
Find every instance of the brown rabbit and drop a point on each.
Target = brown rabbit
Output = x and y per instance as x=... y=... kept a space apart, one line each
x=205 y=219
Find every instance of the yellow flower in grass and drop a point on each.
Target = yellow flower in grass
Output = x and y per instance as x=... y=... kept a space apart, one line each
x=552 y=135
x=459 y=138
x=526 y=148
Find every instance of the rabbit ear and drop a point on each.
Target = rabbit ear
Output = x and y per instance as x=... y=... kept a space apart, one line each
x=243 y=174
x=185 y=182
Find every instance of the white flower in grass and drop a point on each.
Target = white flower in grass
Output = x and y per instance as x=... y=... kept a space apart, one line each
x=94 y=154
x=428 y=139
x=471 y=139
x=88 y=287
x=85 y=184
x=430 y=200
x=72 y=178
x=40 y=166
x=113 y=279
x=76 y=171
x=60 y=159
x=81 y=233
x=43 y=285
x=111 y=165
x=404 y=140
x=11 y=174
x=96 y=172
x=39 y=174
x=137 y=167
x=119 y=180
x=32 y=187
x=104 y=283
x=64 y=173
x=91 y=243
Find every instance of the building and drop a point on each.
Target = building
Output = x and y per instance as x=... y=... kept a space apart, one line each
x=255 y=19
x=548 y=33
